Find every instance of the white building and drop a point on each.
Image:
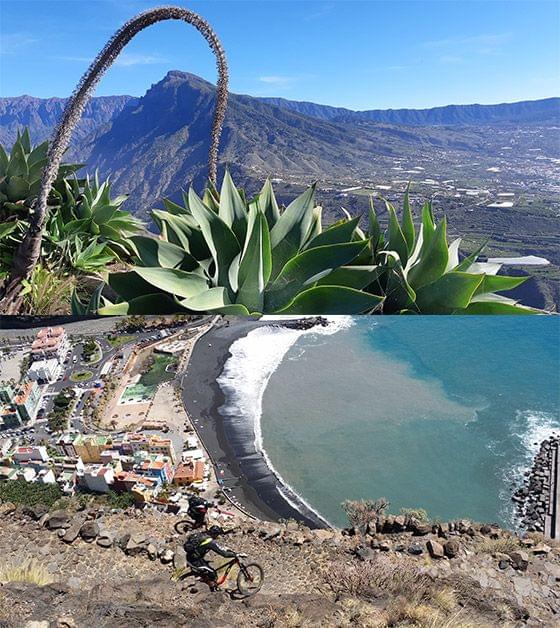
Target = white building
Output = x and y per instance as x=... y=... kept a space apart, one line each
x=97 y=478
x=51 y=342
x=45 y=370
x=46 y=476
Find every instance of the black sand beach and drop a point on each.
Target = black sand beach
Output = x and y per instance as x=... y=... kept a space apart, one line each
x=245 y=471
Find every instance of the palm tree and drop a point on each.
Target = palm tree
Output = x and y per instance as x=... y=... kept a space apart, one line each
x=29 y=250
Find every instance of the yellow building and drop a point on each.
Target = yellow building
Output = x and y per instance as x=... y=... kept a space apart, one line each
x=90 y=448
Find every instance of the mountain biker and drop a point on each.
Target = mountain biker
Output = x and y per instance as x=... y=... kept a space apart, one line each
x=198 y=507
x=197 y=545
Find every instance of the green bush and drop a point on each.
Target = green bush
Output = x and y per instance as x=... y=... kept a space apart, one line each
x=119 y=500
x=29 y=494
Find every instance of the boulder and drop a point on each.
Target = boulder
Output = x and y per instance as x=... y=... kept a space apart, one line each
x=415 y=549
x=166 y=556
x=385 y=546
x=419 y=528
x=58 y=519
x=436 y=549
x=364 y=553
x=519 y=560
x=451 y=548
x=7 y=508
x=104 y=541
x=179 y=558
x=152 y=551
x=122 y=541
x=399 y=523
x=71 y=533
x=136 y=545
x=541 y=549
x=89 y=531
x=35 y=512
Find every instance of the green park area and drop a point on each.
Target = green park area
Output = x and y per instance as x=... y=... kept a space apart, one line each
x=81 y=376
x=119 y=341
x=160 y=368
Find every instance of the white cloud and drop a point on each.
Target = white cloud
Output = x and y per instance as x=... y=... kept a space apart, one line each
x=127 y=59
x=11 y=43
x=487 y=43
x=275 y=79
x=124 y=60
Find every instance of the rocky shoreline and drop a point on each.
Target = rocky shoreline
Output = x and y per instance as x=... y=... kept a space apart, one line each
x=533 y=498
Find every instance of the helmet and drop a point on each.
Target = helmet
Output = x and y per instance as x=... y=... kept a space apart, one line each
x=215 y=531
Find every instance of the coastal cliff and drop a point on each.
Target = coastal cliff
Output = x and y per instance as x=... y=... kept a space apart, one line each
x=89 y=567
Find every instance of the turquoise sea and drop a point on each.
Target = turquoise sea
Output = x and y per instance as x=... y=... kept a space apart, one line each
x=442 y=413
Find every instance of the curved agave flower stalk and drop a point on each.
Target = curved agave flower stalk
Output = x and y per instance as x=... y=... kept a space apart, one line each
x=29 y=251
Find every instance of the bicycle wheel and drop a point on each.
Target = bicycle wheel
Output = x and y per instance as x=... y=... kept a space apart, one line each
x=183 y=526
x=250 y=579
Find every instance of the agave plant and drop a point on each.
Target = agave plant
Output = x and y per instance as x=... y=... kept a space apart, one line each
x=423 y=274
x=89 y=218
x=225 y=254
x=20 y=176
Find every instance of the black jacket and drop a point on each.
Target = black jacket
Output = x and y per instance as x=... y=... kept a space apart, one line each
x=198 y=545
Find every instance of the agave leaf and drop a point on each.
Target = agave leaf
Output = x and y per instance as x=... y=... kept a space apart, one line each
x=397 y=241
x=17 y=188
x=357 y=277
x=4 y=161
x=466 y=263
x=145 y=304
x=289 y=233
x=17 y=165
x=488 y=268
x=399 y=295
x=450 y=292
x=332 y=300
x=453 y=260
x=232 y=208
x=154 y=252
x=306 y=268
x=183 y=231
x=408 y=230
x=214 y=300
x=268 y=205
x=499 y=283
x=177 y=282
x=256 y=264
x=174 y=208
x=336 y=234
x=221 y=240
x=497 y=305
x=374 y=228
x=428 y=223
x=129 y=285
x=433 y=259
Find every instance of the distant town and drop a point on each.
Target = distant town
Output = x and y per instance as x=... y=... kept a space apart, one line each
x=100 y=411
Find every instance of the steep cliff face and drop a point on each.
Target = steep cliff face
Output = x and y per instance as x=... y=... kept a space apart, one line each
x=91 y=568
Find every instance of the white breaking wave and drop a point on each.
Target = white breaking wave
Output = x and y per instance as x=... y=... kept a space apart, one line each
x=246 y=374
x=529 y=429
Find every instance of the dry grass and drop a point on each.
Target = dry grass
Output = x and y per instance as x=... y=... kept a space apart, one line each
x=539 y=537
x=503 y=545
x=28 y=571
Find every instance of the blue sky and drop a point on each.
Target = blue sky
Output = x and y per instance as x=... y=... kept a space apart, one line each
x=359 y=54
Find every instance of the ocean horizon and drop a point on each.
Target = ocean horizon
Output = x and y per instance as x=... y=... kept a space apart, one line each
x=442 y=413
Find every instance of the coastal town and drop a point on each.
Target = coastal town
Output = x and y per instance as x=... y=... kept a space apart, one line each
x=100 y=412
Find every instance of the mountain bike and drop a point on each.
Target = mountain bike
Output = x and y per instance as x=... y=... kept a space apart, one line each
x=249 y=579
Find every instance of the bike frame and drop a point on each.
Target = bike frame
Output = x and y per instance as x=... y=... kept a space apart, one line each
x=227 y=568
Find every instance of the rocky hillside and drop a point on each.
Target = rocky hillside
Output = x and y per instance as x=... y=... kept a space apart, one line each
x=88 y=567
x=545 y=111
x=41 y=115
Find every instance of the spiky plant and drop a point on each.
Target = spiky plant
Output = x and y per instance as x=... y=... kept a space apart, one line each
x=225 y=254
x=422 y=274
x=89 y=213
x=29 y=250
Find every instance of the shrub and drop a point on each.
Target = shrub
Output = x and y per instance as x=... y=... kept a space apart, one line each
x=119 y=500
x=415 y=513
x=29 y=494
x=30 y=571
x=363 y=511
x=502 y=545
